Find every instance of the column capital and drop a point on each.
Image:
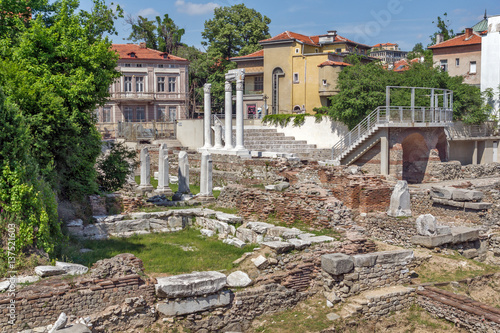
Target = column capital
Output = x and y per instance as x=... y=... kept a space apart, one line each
x=207 y=87
x=228 y=87
x=239 y=85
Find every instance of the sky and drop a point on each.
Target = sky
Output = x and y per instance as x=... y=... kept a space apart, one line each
x=405 y=22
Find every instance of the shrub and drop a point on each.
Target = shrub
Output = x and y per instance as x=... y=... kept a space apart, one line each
x=114 y=166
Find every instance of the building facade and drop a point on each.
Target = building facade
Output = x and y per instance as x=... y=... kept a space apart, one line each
x=460 y=56
x=153 y=87
x=298 y=72
x=388 y=53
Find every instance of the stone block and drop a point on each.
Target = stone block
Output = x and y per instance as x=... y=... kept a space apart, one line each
x=470 y=253
x=72 y=269
x=207 y=233
x=467 y=195
x=299 y=244
x=194 y=304
x=228 y=218
x=45 y=271
x=426 y=225
x=76 y=328
x=319 y=239
x=259 y=227
x=441 y=192
x=279 y=247
x=260 y=262
x=60 y=323
x=400 y=200
x=336 y=263
x=4 y=285
x=234 y=242
x=189 y=285
x=282 y=186
x=238 y=279
x=332 y=297
x=398 y=257
x=478 y=205
x=447 y=202
x=443 y=230
x=365 y=260
x=431 y=241
x=464 y=234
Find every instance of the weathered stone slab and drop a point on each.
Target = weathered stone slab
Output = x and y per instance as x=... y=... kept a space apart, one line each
x=400 y=200
x=467 y=195
x=364 y=260
x=478 y=205
x=228 y=218
x=139 y=216
x=45 y=271
x=238 y=279
x=394 y=257
x=188 y=285
x=76 y=328
x=464 y=234
x=260 y=262
x=194 y=304
x=299 y=244
x=248 y=236
x=447 y=202
x=4 y=285
x=443 y=230
x=336 y=263
x=72 y=269
x=235 y=242
x=279 y=247
x=207 y=233
x=319 y=239
x=426 y=225
x=60 y=323
x=259 y=227
x=441 y=192
x=431 y=241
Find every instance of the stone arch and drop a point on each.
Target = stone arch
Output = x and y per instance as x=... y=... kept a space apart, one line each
x=415 y=157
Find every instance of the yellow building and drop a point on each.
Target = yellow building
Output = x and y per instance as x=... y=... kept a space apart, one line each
x=295 y=73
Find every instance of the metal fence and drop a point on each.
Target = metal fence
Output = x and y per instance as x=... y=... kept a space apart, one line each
x=136 y=131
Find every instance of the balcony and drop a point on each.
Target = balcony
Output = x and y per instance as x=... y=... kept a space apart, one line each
x=147 y=96
x=253 y=92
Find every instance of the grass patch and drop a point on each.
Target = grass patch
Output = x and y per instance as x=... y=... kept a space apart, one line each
x=428 y=273
x=234 y=211
x=174 y=253
x=310 y=316
x=415 y=318
x=299 y=224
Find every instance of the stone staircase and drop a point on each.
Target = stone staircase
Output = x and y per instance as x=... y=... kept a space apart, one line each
x=270 y=140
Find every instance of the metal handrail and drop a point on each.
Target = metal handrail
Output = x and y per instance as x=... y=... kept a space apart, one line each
x=389 y=116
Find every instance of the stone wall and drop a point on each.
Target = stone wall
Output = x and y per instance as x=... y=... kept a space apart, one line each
x=41 y=304
x=393 y=230
x=460 y=310
x=350 y=275
x=454 y=170
x=308 y=203
x=380 y=302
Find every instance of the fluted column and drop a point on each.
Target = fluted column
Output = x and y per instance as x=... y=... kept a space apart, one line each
x=239 y=115
x=207 y=113
x=228 y=116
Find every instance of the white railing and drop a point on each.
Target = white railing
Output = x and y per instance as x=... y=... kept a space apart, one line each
x=391 y=116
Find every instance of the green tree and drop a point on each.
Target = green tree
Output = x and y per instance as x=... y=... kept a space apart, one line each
x=114 y=166
x=161 y=34
x=443 y=28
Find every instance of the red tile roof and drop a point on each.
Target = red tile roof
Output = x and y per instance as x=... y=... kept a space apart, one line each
x=461 y=40
x=333 y=63
x=126 y=50
x=402 y=65
x=384 y=44
x=256 y=54
x=288 y=35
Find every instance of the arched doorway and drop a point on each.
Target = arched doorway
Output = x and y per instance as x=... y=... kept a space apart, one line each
x=277 y=73
x=415 y=158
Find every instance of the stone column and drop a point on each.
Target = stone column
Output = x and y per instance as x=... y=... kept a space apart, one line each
x=163 y=172
x=183 y=193
x=207 y=113
x=218 y=136
x=239 y=115
x=206 y=178
x=145 y=185
x=384 y=153
x=228 y=116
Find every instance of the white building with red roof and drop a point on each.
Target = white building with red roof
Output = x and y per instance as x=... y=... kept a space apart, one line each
x=153 y=87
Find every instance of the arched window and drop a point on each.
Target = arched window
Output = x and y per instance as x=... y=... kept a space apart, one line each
x=277 y=72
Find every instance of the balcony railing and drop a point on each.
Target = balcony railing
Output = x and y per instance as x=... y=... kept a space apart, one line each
x=253 y=92
x=148 y=96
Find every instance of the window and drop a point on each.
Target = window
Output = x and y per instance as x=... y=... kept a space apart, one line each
x=138 y=65
x=127 y=87
x=139 y=84
x=457 y=62
x=297 y=50
x=128 y=113
x=472 y=69
x=295 y=77
x=160 y=66
x=171 y=84
x=338 y=50
x=160 y=113
x=172 y=113
x=161 y=84
x=316 y=51
x=444 y=65
x=172 y=66
x=258 y=84
x=140 y=113
x=324 y=82
x=127 y=65
x=106 y=114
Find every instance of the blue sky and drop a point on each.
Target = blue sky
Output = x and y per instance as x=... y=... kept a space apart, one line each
x=405 y=22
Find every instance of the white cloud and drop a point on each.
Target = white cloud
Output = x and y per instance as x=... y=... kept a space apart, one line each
x=148 y=12
x=195 y=8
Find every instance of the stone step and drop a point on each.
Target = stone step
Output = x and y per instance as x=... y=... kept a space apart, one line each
x=274 y=142
x=350 y=310
x=265 y=135
x=281 y=146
